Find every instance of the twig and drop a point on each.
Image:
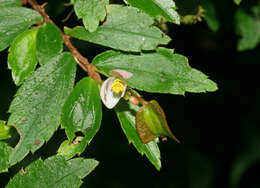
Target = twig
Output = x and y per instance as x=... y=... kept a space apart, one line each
x=80 y=59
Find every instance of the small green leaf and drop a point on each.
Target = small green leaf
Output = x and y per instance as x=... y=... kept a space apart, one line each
x=5 y=151
x=158 y=9
x=10 y=3
x=22 y=56
x=210 y=15
x=126 y=115
x=237 y=1
x=36 y=108
x=92 y=12
x=161 y=71
x=247 y=26
x=126 y=28
x=49 y=42
x=53 y=172
x=14 y=21
x=5 y=131
x=69 y=149
x=82 y=110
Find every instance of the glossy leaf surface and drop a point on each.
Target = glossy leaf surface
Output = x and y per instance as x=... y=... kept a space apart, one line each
x=22 y=55
x=126 y=28
x=82 y=110
x=36 y=108
x=49 y=42
x=69 y=149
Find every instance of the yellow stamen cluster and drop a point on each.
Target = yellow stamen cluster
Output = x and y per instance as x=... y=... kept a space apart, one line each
x=118 y=86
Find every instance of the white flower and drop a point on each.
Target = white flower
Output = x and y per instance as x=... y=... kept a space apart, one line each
x=112 y=90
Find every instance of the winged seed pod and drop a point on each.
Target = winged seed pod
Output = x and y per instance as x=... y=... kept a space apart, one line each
x=151 y=123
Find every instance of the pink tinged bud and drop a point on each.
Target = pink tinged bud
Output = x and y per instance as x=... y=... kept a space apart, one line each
x=134 y=100
x=121 y=73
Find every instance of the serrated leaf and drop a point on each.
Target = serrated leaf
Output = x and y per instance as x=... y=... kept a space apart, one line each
x=36 y=108
x=126 y=28
x=92 y=12
x=82 y=110
x=237 y=1
x=5 y=151
x=14 y=21
x=53 y=172
x=247 y=26
x=49 y=42
x=22 y=55
x=126 y=115
x=10 y=3
x=161 y=71
x=158 y=9
x=69 y=149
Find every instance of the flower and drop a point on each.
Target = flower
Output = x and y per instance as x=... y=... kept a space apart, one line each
x=112 y=90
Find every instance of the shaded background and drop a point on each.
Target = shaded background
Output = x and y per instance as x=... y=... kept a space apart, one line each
x=219 y=131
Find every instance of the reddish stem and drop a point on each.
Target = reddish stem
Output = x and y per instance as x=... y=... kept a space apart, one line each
x=80 y=59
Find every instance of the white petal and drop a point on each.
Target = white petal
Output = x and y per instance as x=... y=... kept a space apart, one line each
x=108 y=97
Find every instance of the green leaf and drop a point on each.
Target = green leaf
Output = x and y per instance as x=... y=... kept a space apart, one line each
x=36 y=109
x=10 y=3
x=126 y=115
x=5 y=151
x=5 y=131
x=158 y=9
x=237 y=1
x=92 y=12
x=126 y=29
x=247 y=26
x=22 y=55
x=82 y=110
x=53 y=172
x=69 y=149
x=14 y=21
x=49 y=42
x=160 y=71
x=210 y=15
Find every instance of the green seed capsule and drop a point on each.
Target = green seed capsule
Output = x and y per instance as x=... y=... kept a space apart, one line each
x=151 y=123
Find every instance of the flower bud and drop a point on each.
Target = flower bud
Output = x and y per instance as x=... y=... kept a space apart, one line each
x=151 y=123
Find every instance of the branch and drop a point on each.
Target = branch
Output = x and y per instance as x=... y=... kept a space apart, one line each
x=80 y=59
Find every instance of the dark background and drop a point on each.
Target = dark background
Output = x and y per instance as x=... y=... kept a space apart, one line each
x=219 y=131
